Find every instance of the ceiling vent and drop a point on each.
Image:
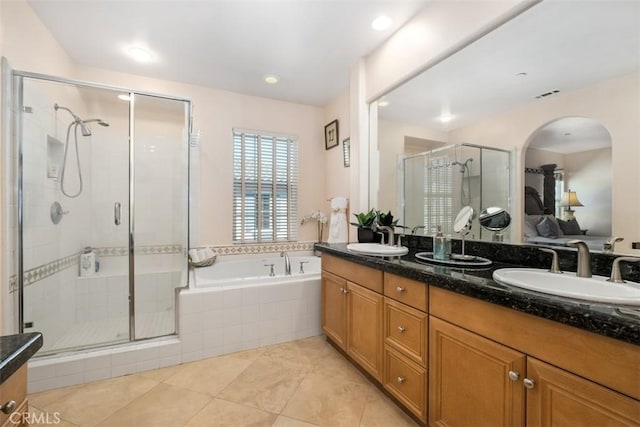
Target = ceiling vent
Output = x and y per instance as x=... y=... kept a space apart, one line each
x=546 y=94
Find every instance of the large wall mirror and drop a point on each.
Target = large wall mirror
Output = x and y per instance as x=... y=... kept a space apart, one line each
x=558 y=84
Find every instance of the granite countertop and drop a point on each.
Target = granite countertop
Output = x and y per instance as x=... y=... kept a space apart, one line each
x=618 y=322
x=15 y=350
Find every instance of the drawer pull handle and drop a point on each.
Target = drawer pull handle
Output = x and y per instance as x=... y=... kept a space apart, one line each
x=344 y=291
x=528 y=383
x=401 y=329
x=8 y=407
x=400 y=290
x=401 y=380
x=514 y=376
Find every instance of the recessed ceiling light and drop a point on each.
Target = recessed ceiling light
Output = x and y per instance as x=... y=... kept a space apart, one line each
x=271 y=79
x=523 y=74
x=124 y=97
x=139 y=53
x=446 y=118
x=383 y=103
x=381 y=23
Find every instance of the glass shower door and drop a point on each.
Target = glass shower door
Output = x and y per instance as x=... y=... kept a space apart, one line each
x=73 y=209
x=160 y=207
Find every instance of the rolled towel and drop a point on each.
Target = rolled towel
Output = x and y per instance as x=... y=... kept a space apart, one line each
x=338 y=203
x=209 y=253
x=338 y=231
x=194 y=254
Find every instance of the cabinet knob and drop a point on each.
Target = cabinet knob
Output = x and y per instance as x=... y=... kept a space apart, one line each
x=400 y=289
x=514 y=376
x=401 y=380
x=8 y=407
x=401 y=329
x=344 y=291
x=528 y=383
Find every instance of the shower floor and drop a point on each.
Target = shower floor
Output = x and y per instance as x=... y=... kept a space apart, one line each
x=108 y=331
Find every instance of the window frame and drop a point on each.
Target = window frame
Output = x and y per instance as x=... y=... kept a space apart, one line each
x=280 y=195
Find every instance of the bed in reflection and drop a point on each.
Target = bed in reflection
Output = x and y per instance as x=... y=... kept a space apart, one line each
x=542 y=228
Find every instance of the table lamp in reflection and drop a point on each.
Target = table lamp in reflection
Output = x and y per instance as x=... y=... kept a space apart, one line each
x=569 y=199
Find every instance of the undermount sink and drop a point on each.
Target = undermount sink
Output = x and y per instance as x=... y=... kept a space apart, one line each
x=595 y=288
x=377 y=249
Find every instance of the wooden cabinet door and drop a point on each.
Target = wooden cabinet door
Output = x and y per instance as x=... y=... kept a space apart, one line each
x=559 y=398
x=364 y=328
x=334 y=308
x=469 y=382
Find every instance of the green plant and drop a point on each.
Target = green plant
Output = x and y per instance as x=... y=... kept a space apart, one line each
x=386 y=219
x=365 y=220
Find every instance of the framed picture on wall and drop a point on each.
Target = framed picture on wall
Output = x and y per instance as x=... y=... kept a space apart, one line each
x=331 y=135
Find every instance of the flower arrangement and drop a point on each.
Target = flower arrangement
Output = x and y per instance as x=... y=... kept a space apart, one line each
x=321 y=220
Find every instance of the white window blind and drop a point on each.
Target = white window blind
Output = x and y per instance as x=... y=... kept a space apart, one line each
x=265 y=187
x=438 y=194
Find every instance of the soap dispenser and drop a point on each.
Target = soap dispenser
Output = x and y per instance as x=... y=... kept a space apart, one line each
x=441 y=246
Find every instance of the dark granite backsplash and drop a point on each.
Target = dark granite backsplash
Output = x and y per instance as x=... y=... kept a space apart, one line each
x=530 y=256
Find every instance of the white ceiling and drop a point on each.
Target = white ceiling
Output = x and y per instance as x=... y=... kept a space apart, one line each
x=571 y=135
x=560 y=44
x=226 y=44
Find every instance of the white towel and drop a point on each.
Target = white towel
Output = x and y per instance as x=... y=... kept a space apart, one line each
x=338 y=231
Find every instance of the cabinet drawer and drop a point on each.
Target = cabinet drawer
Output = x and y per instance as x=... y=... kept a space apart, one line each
x=14 y=388
x=406 y=381
x=405 y=329
x=356 y=273
x=406 y=291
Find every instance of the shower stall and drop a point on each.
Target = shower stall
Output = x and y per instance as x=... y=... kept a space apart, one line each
x=438 y=183
x=99 y=188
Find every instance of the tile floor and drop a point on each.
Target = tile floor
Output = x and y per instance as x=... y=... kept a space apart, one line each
x=297 y=384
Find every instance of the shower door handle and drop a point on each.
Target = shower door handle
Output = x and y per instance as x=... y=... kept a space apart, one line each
x=117 y=213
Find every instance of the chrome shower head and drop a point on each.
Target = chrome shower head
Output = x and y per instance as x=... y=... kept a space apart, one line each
x=86 y=131
x=60 y=107
x=463 y=165
x=84 y=128
x=98 y=121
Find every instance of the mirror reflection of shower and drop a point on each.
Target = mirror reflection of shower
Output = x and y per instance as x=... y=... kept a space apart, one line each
x=86 y=131
x=465 y=191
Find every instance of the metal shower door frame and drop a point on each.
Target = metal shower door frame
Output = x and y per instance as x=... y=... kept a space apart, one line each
x=17 y=83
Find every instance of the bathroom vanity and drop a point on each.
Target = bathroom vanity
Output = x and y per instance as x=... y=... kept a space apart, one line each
x=15 y=351
x=453 y=347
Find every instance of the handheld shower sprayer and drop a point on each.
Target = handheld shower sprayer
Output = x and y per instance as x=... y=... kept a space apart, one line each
x=86 y=131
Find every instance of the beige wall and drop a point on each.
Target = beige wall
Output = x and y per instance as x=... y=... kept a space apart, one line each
x=337 y=178
x=440 y=29
x=435 y=33
x=30 y=47
x=391 y=145
x=216 y=113
x=614 y=103
x=589 y=174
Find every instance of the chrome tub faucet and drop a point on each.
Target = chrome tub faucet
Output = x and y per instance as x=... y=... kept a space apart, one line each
x=287 y=263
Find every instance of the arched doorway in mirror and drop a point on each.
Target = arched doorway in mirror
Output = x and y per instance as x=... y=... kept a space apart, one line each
x=568 y=181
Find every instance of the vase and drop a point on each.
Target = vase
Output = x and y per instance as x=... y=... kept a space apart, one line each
x=367 y=235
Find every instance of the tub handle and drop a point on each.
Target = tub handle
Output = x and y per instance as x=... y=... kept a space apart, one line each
x=302 y=263
x=271 y=273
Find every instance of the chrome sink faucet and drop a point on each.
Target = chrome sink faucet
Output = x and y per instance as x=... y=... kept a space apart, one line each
x=287 y=263
x=610 y=244
x=415 y=229
x=555 y=265
x=584 y=258
x=616 y=276
x=389 y=230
